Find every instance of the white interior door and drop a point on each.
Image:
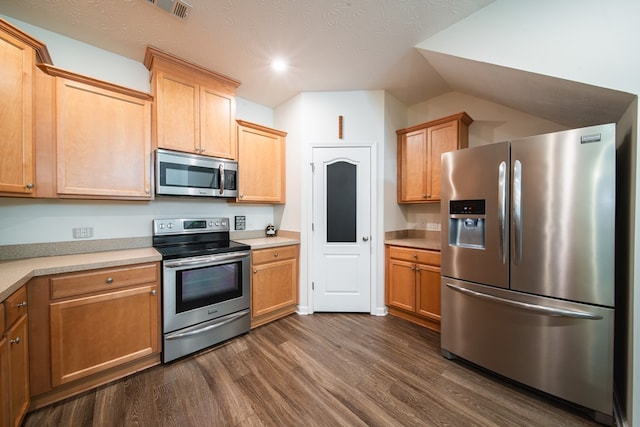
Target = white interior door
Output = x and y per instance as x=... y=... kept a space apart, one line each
x=341 y=259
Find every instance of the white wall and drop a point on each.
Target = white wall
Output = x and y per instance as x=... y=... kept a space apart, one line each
x=587 y=41
x=395 y=118
x=312 y=118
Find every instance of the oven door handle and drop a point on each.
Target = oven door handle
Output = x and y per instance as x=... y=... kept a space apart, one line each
x=196 y=331
x=199 y=261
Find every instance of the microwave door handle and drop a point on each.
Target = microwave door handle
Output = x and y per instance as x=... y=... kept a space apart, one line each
x=221 y=172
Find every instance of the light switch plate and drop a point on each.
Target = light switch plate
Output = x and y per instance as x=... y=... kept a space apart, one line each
x=241 y=222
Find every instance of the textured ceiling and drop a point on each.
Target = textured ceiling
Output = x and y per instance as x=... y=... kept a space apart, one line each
x=331 y=45
x=561 y=101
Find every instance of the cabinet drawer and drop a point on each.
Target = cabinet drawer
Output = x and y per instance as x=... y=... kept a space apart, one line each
x=415 y=255
x=102 y=280
x=260 y=256
x=15 y=306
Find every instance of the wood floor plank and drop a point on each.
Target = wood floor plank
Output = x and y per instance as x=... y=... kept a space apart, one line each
x=319 y=370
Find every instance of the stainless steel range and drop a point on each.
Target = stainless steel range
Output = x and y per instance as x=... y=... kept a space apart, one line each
x=205 y=284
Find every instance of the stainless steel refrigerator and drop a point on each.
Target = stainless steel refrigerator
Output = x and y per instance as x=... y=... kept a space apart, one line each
x=528 y=262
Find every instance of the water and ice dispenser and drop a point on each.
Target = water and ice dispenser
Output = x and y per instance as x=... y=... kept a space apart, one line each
x=467 y=223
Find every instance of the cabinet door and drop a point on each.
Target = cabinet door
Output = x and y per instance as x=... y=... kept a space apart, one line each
x=4 y=381
x=16 y=115
x=441 y=138
x=413 y=155
x=17 y=336
x=177 y=118
x=103 y=142
x=401 y=289
x=91 y=334
x=428 y=292
x=261 y=165
x=217 y=126
x=274 y=286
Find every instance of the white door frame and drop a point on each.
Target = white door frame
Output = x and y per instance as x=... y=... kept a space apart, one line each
x=377 y=240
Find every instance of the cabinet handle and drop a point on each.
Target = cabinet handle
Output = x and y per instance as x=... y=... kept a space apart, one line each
x=29 y=186
x=154 y=292
x=16 y=341
x=109 y=280
x=275 y=254
x=21 y=304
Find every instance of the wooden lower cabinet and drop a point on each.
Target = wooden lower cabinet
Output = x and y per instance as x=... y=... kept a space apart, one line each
x=413 y=285
x=14 y=360
x=93 y=327
x=274 y=284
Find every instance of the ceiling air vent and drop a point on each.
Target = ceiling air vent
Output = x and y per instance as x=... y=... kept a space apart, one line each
x=175 y=7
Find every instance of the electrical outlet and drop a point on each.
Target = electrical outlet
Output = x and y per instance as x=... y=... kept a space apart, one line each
x=433 y=226
x=82 y=232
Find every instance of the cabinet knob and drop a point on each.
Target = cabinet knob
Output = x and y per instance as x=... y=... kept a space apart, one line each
x=255 y=271
x=147 y=191
x=425 y=196
x=154 y=292
x=21 y=304
x=16 y=341
x=415 y=256
x=109 y=280
x=275 y=254
x=241 y=196
x=29 y=186
x=202 y=150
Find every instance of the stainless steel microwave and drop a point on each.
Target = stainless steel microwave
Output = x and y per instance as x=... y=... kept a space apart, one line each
x=185 y=174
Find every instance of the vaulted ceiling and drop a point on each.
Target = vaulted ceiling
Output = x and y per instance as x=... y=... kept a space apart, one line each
x=330 y=46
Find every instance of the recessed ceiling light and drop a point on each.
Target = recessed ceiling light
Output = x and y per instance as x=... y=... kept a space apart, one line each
x=279 y=65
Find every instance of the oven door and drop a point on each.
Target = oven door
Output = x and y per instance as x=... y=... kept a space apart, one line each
x=203 y=288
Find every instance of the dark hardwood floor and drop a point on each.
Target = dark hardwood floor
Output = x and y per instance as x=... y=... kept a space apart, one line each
x=319 y=370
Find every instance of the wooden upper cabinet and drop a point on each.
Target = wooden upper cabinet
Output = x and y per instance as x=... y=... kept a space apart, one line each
x=194 y=108
x=419 y=151
x=261 y=164
x=18 y=55
x=103 y=139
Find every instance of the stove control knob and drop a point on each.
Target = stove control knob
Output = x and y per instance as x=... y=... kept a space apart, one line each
x=170 y=225
x=217 y=223
x=161 y=226
x=210 y=224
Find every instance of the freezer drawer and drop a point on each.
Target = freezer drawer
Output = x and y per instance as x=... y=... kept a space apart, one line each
x=561 y=348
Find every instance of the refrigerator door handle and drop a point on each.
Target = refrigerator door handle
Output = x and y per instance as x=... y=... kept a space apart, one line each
x=549 y=311
x=502 y=209
x=517 y=211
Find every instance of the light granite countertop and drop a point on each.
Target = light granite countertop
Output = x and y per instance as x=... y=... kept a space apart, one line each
x=418 y=243
x=268 y=242
x=418 y=239
x=16 y=273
